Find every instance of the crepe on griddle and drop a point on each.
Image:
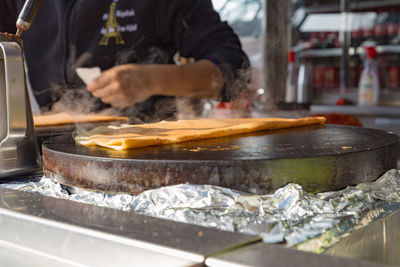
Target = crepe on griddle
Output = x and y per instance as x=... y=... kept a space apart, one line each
x=65 y=118
x=162 y=133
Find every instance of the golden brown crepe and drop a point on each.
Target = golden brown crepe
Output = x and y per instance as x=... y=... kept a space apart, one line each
x=65 y=118
x=133 y=136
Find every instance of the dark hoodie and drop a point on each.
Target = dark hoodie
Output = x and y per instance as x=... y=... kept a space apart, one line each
x=67 y=34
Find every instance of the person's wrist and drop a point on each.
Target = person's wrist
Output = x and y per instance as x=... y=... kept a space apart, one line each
x=156 y=78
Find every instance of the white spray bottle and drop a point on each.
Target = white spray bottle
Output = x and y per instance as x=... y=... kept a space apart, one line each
x=368 y=91
x=291 y=80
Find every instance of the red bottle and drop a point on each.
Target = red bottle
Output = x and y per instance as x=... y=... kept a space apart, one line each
x=393 y=77
x=319 y=77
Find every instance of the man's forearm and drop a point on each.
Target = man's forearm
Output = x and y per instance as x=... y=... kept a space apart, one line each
x=125 y=85
x=202 y=79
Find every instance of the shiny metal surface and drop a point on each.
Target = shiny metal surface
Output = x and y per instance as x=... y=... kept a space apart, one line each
x=18 y=148
x=379 y=241
x=27 y=15
x=77 y=246
x=97 y=236
x=265 y=255
x=15 y=256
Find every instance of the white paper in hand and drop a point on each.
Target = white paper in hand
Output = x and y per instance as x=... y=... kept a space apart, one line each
x=88 y=74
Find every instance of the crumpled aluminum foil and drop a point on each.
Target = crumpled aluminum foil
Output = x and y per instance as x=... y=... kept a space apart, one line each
x=289 y=215
x=49 y=188
x=311 y=222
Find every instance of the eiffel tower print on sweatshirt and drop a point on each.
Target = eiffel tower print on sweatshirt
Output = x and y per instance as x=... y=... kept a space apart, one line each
x=112 y=27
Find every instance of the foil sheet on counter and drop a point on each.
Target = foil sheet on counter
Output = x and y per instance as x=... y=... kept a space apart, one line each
x=49 y=188
x=292 y=216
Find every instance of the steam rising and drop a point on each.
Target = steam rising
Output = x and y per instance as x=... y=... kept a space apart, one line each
x=78 y=100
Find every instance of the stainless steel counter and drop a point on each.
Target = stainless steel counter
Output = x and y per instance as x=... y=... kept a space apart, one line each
x=44 y=231
x=379 y=241
x=67 y=232
x=266 y=255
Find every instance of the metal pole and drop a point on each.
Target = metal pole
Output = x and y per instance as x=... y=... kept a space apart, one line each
x=264 y=43
x=276 y=29
x=345 y=37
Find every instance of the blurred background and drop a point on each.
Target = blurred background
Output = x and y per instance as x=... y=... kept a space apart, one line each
x=309 y=56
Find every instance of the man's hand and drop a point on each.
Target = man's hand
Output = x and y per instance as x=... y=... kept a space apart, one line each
x=125 y=85
x=122 y=86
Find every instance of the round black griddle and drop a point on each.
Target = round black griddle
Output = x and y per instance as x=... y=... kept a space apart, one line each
x=319 y=158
